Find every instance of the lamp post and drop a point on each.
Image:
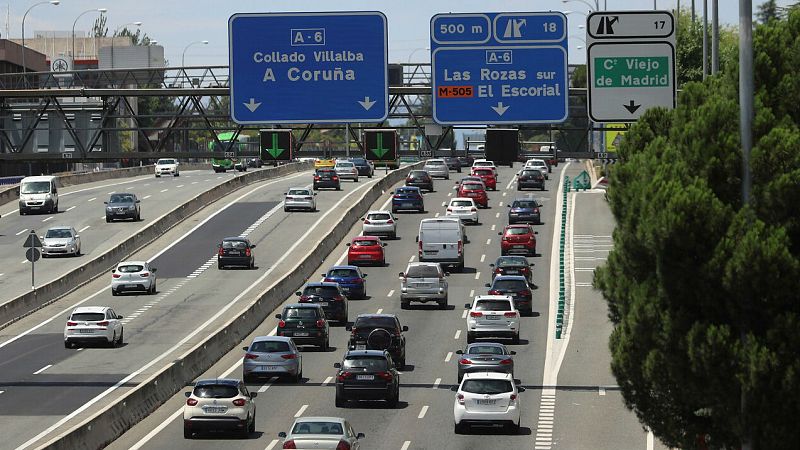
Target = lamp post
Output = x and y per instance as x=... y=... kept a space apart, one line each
x=24 y=16
x=595 y=7
x=117 y=30
x=100 y=10
x=183 y=55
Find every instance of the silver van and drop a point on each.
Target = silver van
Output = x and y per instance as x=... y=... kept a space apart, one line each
x=442 y=241
x=38 y=194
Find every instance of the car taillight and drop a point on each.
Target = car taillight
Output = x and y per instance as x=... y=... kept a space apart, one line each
x=409 y=180
x=386 y=376
x=289 y=356
x=289 y=444
x=449 y=209
x=494 y=292
x=320 y=323
x=536 y=210
x=221 y=252
x=513 y=397
x=343 y=445
x=525 y=293
x=389 y=222
x=420 y=248
x=505 y=361
x=353 y=331
x=460 y=246
x=102 y=324
x=474 y=210
x=191 y=401
x=476 y=314
x=239 y=402
x=247 y=252
x=144 y=274
x=524 y=269
x=115 y=275
x=334 y=178
x=304 y=298
x=344 y=375
x=464 y=361
x=460 y=398
x=250 y=356
x=316 y=178
x=510 y=314
x=367 y=222
x=72 y=324
x=281 y=324
x=498 y=270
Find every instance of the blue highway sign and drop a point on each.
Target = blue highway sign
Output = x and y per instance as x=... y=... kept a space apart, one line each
x=308 y=67
x=499 y=68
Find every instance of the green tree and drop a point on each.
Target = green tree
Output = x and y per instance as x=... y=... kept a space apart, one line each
x=689 y=49
x=767 y=11
x=100 y=28
x=702 y=291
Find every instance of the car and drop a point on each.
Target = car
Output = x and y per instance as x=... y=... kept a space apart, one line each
x=270 y=356
x=365 y=167
x=93 y=324
x=61 y=240
x=538 y=164
x=437 y=168
x=330 y=296
x=379 y=223
x=485 y=356
x=350 y=279
x=367 y=375
x=300 y=198
x=133 y=276
x=464 y=209
x=326 y=178
x=513 y=265
x=530 y=179
x=518 y=239
x=420 y=179
x=236 y=251
x=219 y=404
x=123 y=206
x=487 y=398
x=346 y=170
x=408 y=197
x=517 y=287
x=487 y=175
x=167 y=166
x=379 y=332
x=492 y=316
x=465 y=161
x=366 y=250
x=255 y=163
x=452 y=163
x=470 y=178
x=524 y=210
x=475 y=191
x=321 y=432
x=321 y=163
x=240 y=164
x=484 y=164
x=305 y=323
x=423 y=282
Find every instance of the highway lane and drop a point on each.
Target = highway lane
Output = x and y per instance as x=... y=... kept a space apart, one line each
x=82 y=207
x=424 y=418
x=158 y=328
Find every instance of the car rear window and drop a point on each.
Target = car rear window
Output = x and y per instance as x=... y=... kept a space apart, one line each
x=342 y=273
x=510 y=285
x=269 y=346
x=379 y=216
x=375 y=322
x=423 y=272
x=364 y=242
x=517 y=231
x=418 y=174
x=130 y=268
x=325 y=172
x=434 y=162
x=234 y=244
x=484 y=350
x=512 y=261
x=525 y=204
x=472 y=187
x=406 y=191
x=216 y=391
x=366 y=362
x=531 y=173
x=344 y=164
x=460 y=203
x=88 y=317
x=300 y=313
x=322 y=291
x=484 y=163
x=484 y=172
x=487 y=386
x=318 y=428
x=493 y=305
x=58 y=234
x=299 y=192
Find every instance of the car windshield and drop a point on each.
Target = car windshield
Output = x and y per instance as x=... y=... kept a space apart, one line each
x=371 y=363
x=130 y=268
x=239 y=245
x=510 y=285
x=472 y=187
x=460 y=203
x=343 y=273
x=88 y=317
x=364 y=242
x=375 y=322
x=35 y=187
x=318 y=428
x=512 y=261
x=166 y=161
x=423 y=272
x=525 y=204
x=518 y=231
x=60 y=233
x=493 y=305
x=322 y=291
x=487 y=386
x=216 y=391
x=300 y=313
x=270 y=347
x=484 y=350
x=298 y=192
x=121 y=198
x=379 y=216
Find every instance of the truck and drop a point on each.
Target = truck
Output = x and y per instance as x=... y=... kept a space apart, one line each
x=545 y=150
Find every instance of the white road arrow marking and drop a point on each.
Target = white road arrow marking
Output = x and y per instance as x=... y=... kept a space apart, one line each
x=500 y=109
x=253 y=105
x=367 y=104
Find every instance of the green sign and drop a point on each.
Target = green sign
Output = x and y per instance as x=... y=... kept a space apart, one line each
x=631 y=71
x=276 y=145
x=381 y=145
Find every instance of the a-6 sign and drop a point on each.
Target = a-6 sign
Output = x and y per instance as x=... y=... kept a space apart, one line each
x=276 y=145
x=381 y=144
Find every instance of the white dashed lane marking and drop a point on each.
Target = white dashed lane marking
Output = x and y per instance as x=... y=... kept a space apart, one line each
x=43 y=369
x=23 y=231
x=300 y=411
x=449 y=355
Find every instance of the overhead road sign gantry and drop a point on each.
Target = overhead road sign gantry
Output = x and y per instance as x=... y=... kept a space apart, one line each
x=308 y=67
x=631 y=63
x=499 y=68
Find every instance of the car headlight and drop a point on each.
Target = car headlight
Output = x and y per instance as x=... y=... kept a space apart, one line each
x=131 y=208
x=108 y=208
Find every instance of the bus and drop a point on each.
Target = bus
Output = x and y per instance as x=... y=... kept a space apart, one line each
x=223 y=164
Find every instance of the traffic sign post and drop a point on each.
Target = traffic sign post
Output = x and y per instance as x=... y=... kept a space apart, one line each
x=282 y=65
x=276 y=145
x=499 y=68
x=32 y=245
x=630 y=63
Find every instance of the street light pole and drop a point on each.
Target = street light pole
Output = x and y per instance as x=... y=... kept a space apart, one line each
x=183 y=55
x=714 y=37
x=705 y=39
x=117 y=30
x=25 y=16
x=100 y=10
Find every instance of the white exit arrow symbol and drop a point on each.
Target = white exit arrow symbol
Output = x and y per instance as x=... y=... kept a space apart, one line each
x=253 y=105
x=366 y=104
x=500 y=109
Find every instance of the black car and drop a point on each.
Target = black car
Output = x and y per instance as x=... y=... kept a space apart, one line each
x=236 y=251
x=379 y=332
x=255 y=163
x=524 y=210
x=513 y=265
x=326 y=178
x=465 y=161
x=530 y=179
x=420 y=179
x=452 y=163
x=365 y=168
x=328 y=295
x=367 y=375
x=123 y=206
x=305 y=323
x=517 y=287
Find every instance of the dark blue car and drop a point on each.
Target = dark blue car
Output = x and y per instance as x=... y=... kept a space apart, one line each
x=524 y=210
x=408 y=197
x=350 y=278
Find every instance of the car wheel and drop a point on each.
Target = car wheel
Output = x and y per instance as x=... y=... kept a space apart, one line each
x=514 y=428
x=299 y=376
x=515 y=339
x=67 y=344
x=113 y=342
x=459 y=428
x=78 y=251
x=503 y=253
x=114 y=293
x=138 y=217
x=338 y=188
x=248 y=379
x=340 y=402
x=121 y=337
x=187 y=433
x=285 y=209
x=393 y=236
x=394 y=399
x=108 y=219
x=356 y=180
x=470 y=338
x=252 y=427
x=153 y=289
x=177 y=174
x=405 y=305
x=443 y=305
x=325 y=345
x=252 y=264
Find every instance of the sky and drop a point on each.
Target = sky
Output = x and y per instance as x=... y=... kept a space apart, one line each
x=176 y=23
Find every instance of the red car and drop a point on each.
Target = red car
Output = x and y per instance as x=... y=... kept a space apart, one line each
x=518 y=239
x=474 y=191
x=487 y=176
x=366 y=249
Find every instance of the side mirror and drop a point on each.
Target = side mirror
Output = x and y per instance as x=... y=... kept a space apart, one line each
x=348 y=327
x=405 y=327
x=466 y=305
x=298 y=293
x=488 y=285
x=535 y=232
x=454 y=388
x=385 y=244
x=520 y=389
x=360 y=436
x=105 y=203
x=364 y=275
x=509 y=206
x=154 y=270
x=277 y=316
x=282 y=434
x=245 y=348
x=119 y=316
x=348 y=244
x=491 y=265
x=138 y=201
x=323 y=275
x=512 y=352
x=459 y=352
x=252 y=245
x=499 y=233
x=416 y=239
x=253 y=394
x=337 y=365
x=315 y=193
x=363 y=219
x=401 y=275
x=187 y=394
x=447 y=274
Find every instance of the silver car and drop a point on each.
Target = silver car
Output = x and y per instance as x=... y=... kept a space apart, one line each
x=437 y=168
x=270 y=356
x=300 y=198
x=346 y=170
x=485 y=357
x=61 y=240
x=322 y=432
x=380 y=223
x=423 y=282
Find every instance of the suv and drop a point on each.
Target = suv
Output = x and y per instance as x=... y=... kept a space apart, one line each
x=93 y=324
x=329 y=295
x=379 y=332
x=326 y=178
x=367 y=375
x=167 y=166
x=423 y=282
x=219 y=404
x=517 y=287
x=236 y=251
x=123 y=206
x=305 y=323
x=133 y=276
x=493 y=316
x=487 y=398
x=524 y=210
x=350 y=279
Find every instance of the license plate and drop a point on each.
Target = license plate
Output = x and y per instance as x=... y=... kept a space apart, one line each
x=361 y=346
x=130 y=286
x=301 y=334
x=364 y=256
x=512 y=272
x=407 y=205
x=365 y=377
x=519 y=246
x=86 y=331
x=322 y=303
x=233 y=252
x=486 y=401
x=267 y=368
x=422 y=285
x=214 y=409
x=492 y=317
x=472 y=195
x=431 y=252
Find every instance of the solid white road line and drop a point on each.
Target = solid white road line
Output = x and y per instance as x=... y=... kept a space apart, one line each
x=405 y=446
x=71 y=208
x=272 y=444
x=449 y=355
x=264 y=388
x=436 y=215
x=109 y=193
x=300 y=411
x=650 y=440
x=458 y=334
x=23 y=231
x=422 y=412
x=1 y=392
x=43 y=369
x=510 y=182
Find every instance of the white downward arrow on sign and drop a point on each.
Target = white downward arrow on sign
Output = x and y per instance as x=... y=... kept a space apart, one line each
x=366 y=103
x=253 y=105
x=500 y=109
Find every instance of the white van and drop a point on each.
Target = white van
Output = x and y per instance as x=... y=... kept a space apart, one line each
x=38 y=194
x=442 y=241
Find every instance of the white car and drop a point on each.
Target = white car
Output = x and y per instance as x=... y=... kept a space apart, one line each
x=300 y=198
x=437 y=168
x=380 y=223
x=167 y=166
x=487 y=398
x=95 y=324
x=322 y=432
x=346 y=170
x=493 y=316
x=538 y=164
x=61 y=240
x=219 y=404
x=463 y=208
x=133 y=276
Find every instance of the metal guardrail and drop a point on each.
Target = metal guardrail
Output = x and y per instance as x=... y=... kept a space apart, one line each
x=7 y=181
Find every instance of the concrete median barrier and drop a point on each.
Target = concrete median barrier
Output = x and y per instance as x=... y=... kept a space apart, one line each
x=113 y=420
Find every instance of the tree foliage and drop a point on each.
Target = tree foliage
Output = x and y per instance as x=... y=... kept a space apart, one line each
x=689 y=48
x=767 y=11
x=702 y=290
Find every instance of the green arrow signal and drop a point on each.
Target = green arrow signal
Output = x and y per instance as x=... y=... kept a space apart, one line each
x=380 y=150
x=275 y=151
